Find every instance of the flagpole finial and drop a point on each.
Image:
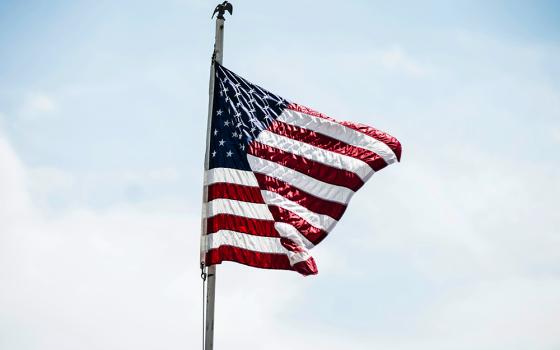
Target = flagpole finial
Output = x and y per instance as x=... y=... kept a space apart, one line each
x=222 y=8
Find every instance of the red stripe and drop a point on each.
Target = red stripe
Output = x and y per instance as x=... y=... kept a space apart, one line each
x=306 y=166
x=260 y=260
x=387 y=139
x=375 y=161
x=305 y=199
x=312 y=233
x=234 y=191
x=242 y=224
x=379 y=135
x=291 y=245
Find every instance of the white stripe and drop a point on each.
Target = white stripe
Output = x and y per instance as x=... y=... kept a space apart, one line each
x=239 y=208
x=289 y=231
x=253 y=243
x=323 y=156
x=306 y=183
x=242 y=240
x=339 y=132
x=228 y=175
x=323 y=222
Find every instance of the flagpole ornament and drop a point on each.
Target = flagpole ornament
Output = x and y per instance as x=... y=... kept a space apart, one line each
x=222 y=8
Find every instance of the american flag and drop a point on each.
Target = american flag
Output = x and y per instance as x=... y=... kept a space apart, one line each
x=280 y=175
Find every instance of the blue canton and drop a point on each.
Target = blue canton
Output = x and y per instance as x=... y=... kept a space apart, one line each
x=241 y=110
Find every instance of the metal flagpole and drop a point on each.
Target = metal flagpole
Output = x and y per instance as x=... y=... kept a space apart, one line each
x=210 y=271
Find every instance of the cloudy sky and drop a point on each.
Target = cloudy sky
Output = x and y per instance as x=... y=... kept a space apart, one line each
x=102 y=126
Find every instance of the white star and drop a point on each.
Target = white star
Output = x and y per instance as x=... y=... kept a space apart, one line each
x=252 y=110
x=226 y=123
x=238 y=104
x=280 y=101
x=253 y=129
x=215 y=132
x=242 y=146
x=251 y=91
x=226 y=89
x=229 y=153
x=219 y=112
x=239 y=136
x=234 y=134
x=221 y=142
x=237 y=114
x=238 y=125
x=213 y=154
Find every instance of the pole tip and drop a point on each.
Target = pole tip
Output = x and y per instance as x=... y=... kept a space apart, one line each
x=222 y=8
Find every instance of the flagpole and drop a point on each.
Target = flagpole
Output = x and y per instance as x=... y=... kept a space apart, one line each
x=210 y=271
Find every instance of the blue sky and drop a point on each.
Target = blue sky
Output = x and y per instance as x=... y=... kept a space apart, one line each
x=102 y=123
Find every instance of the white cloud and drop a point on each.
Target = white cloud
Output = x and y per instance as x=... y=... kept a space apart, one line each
x=3 y=119
x=396 y=59
x=36 y=105
x=555 y=132
x=15 y=200
x=152 y=176
x=43 y=180
x=122 y=277
x=508 y=314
